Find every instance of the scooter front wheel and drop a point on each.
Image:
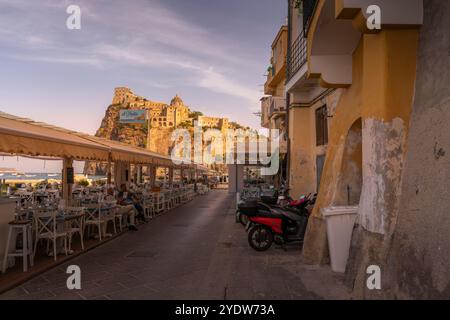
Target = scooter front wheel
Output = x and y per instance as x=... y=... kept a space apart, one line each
x=260 y=238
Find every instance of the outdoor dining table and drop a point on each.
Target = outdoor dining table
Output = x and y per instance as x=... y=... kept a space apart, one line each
x=61 y=219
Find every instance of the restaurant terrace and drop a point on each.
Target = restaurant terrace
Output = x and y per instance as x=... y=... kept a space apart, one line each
x=39 y=224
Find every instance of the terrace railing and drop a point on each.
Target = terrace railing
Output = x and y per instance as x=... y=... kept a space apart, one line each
x=298 y=51
x=277 y=104
x=297 y=56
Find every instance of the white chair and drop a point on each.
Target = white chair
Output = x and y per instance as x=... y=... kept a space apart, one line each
x=22 y=214
x=24 y=228
x=76 y=224
x=118 y=217
x=25 y=196
x=159 y=204
x=148 y=206
x=109 y=213
x=46 y=225
x=168 y=200
x=94 y=218
x=184 y=195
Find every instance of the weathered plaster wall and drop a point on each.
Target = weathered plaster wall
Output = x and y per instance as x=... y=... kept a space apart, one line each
x=302 y=132
x=348 y=110
x=384 y=67
x=301 y=173
x=384 y=145
x=419 y=262
x=393 y=53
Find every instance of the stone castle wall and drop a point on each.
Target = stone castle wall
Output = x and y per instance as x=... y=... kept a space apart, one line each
x=163 y=115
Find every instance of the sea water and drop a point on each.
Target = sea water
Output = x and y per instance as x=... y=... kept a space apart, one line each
x=38 y=176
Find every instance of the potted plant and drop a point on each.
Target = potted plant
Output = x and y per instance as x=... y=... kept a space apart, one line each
x=298 y=4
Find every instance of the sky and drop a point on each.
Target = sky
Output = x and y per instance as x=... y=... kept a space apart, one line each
x=213 y=53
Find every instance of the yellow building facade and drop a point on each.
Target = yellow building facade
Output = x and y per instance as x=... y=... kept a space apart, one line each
x=273 y=105
x=365 y=80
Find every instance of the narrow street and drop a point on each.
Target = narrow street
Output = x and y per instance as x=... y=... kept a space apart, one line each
x=196 y=251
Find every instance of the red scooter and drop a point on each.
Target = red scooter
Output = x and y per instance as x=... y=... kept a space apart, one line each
x=279 y=225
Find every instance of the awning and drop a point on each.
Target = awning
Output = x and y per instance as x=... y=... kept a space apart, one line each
x=128 y=153
x=24 y=136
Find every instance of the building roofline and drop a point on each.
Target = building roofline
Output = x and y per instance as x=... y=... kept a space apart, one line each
x=278 y=36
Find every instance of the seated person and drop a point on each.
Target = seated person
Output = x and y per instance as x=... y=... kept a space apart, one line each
x=110 y=195
x=124 y=209
x=125 y=197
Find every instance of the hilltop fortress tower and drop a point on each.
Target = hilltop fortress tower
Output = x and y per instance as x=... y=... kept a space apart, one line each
x=164 y=115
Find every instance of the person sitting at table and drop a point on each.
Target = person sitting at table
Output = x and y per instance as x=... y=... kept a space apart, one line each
x=129 y=198
x=124 y=209
x=110 y=195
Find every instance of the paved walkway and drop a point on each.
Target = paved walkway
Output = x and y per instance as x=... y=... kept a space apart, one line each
x=196 y=251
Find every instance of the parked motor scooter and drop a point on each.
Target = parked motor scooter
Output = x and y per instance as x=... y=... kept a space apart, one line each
x=253 y=206
x=275 y=224
x=302 y=206
x=250 y=205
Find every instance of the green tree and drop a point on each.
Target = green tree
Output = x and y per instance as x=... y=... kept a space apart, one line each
x=195 y=114
x=185 y=124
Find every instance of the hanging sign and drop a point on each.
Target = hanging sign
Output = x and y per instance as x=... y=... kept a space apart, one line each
x=133 y=116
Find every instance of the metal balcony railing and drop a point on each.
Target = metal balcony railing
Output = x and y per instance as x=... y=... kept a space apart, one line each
x=297 y=56
x=298 y=51
x=277 y=104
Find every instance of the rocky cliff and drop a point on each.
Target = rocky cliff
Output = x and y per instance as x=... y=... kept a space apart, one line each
x=136 y=134
x=110 y=128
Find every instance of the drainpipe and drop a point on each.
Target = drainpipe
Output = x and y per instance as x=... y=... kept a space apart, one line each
x=288 y=97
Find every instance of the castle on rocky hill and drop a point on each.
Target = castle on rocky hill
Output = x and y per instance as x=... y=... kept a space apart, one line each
x=164 y=119
x=164 y=115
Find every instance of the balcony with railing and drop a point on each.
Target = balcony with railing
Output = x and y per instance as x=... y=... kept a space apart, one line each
x=270 y=107
x=297 y=56
x=298 y=51
x=265 y=107
x=277 y=106
x=276 y=73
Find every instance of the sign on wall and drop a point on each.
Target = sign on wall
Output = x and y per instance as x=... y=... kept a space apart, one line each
x=133 y=116
x=70 y=176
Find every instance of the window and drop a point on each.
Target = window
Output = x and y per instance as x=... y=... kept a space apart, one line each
x=321 y=126
x=320 y=161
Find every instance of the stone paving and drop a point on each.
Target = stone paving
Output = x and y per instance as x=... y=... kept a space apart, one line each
x=196 y=251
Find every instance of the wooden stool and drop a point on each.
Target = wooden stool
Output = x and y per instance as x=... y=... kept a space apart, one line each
x=23 y=227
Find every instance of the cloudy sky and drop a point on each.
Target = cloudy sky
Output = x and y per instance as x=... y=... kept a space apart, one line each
x=213 y=53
